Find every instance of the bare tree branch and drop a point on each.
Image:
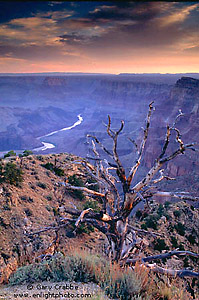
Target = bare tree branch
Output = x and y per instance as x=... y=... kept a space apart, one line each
x=171 y=272
x=163 y=256
x=162 y=176
x=81 y=217
x=142 y=231
x=101 y=145
x=84 y=189
x=180 y=196
x=141 y=150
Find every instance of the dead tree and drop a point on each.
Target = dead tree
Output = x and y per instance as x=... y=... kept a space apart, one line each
x=109 y=173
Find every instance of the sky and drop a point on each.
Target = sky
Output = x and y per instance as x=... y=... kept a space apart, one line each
x=99 y=37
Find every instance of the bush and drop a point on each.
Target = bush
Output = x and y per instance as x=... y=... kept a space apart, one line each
x=167 y=204
x=41 y=185
x=28 y=212
x=12 y=174
x=49 y=197
x=177 y=213
x=191 y=238
x=59 y=171
x=160 y=245
x=10 y=153
x=138 y=214
x=180 y=228
x=160 y=210
x=85 y=267
x=95 y=186
x=92 y=204
x=48 y=166
x=174 y=242
x=27 y=152
x=151 y=222
x=52 y=168
x=74 y=180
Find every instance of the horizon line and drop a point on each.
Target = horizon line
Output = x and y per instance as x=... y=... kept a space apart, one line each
x=92 y=73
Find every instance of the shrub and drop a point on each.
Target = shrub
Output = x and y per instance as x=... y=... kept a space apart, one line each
x=48 y=166
x=191 y=238
x=74 y=180
x=40 y=157
x=82 y=266
x=49 y=197
x=52 y=168
x=95 y=186
x=28 y=212
x=160 y=210
x=138 y=214
x=167 y=204
x=174 y=242
x=10 y=153
x=41 y=185
x=180 y=228
x=84 y=228
x=27 y=152
x=12 y=174
x=59 y=171
x=151 y=222
x=177 y=213
x=160 y=245
x=92 y=204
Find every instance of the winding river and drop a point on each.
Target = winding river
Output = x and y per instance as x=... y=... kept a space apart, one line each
x=51 y=146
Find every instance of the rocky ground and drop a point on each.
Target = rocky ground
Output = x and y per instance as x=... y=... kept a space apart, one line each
x=40 y=200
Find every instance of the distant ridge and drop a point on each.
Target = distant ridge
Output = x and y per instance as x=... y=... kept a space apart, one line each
x=55 y=74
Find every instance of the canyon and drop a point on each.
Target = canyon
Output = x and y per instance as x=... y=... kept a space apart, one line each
x=32 y=107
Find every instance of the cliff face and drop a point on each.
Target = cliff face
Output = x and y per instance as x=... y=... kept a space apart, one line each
x=185 y=96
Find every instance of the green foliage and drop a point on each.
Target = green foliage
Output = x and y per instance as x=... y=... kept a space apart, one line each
x=160 y=210
x=41 y=185
x=40 y=157
x=74 y=180
x=55 y=211
x=160 y=245
x=2 y=223
x=28 y=212
x=48 y=166
x=52 y=168
x=151 y=222
x=177 y=213
x=12 y=174
x=84 y=228
x=49 y=197
x=82 y=266
x=10 y=153
x=27 y=152
x=192 y=239
x=174 y=242
x=59 y=171
x=138 y=214
x=92 y=204
x=179 y=227
x=94 y=187
x=167 y=204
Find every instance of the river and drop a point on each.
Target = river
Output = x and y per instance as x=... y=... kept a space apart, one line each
x=51 y=146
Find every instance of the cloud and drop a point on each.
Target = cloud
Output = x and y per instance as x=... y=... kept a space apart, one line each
x=179 y=15
x=111 y=33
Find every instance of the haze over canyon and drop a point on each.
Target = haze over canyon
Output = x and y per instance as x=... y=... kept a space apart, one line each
x=53 y=113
